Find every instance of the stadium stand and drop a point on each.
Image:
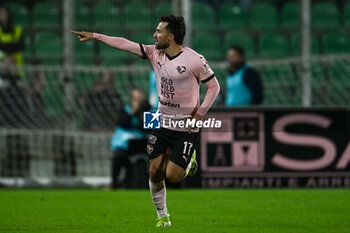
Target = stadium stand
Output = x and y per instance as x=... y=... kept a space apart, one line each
x=208 y=45
x=231 y=15
x=263 y=16
x=161 y=9
x=290 y=15
x=241 y=39
x=48 y=45
x=273 y=44
x=347 y=15
x=84 y=51
x=20 y=14
x=46 y=15
x=325 y=15
x=295 y=47
x=137 y=16
x=335 y=42
x=82 y=16
x=203 y=16
x=143 y=37
x=106 y=16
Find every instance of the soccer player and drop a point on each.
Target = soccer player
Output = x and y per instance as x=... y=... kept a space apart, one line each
x=179 y=71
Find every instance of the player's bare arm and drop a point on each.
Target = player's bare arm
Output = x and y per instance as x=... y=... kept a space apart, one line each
x=115 y=42
x=213 y=90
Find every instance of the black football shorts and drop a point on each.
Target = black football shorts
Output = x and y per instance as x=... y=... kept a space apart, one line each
x=182 y=145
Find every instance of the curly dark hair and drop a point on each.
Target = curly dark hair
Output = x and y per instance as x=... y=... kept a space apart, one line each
x=176 y=25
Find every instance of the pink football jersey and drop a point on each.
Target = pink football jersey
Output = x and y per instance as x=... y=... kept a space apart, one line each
x=178 y=81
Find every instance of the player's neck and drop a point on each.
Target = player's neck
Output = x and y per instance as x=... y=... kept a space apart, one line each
x=173 y=50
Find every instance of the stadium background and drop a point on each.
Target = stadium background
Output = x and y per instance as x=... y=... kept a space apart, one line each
x=269 y=31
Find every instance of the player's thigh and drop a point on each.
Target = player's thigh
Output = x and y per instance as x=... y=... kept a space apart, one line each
x=159 y=163
x=157 y=151
x=183 y=147
x=174 y=172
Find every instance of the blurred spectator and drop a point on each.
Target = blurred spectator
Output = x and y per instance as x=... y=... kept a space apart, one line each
x=130 y=128
x=64 y=156
x=153 y=94
x=16 y=160
x=102 y=105
x=11 y=37
x=243 y=83
x=36 y=101
x=14 y=107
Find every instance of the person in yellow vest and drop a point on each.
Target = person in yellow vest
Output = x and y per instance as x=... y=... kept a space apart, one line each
x=11 y=37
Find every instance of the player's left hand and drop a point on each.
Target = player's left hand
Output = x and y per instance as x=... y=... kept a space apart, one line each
x=197 y=117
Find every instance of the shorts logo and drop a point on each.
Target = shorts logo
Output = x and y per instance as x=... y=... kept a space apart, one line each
x=149 y=149
x=152 y=139
x=151 y=120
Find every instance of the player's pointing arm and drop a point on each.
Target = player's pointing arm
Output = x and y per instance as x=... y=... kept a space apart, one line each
x=115 y=42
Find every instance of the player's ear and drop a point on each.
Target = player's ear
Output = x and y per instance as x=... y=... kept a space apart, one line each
x=171 y=37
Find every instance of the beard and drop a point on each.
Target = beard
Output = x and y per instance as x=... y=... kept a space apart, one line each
x=162 y=45
x=233 y=67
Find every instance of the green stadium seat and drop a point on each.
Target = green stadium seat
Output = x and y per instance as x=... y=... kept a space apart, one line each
x=82 y=16
x=347 y=15
x=161 y=9
x=137 y=16
x=48 y=46
x=143 y=38
x=84 y=50
x=232 y=16
x=325 y=15
x=315 y=47
x=241 y=39
x=20 y=14
x=335 y=42
x=273 y=45
x=263 y=16
x=339 y=83
x=46 y=15
x=290 y=15
x=209 y=45
x=107 y=16
x=202 y=16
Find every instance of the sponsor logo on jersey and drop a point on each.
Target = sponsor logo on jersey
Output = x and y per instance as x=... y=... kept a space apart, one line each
x=169 y=104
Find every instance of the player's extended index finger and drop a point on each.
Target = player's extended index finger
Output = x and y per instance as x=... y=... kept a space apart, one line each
x=75 y=32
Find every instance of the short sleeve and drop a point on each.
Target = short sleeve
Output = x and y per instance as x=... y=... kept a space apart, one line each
x=147 y=51
x=202 y=69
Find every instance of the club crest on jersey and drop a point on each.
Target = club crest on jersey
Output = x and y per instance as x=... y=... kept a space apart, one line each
x=181 y=69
